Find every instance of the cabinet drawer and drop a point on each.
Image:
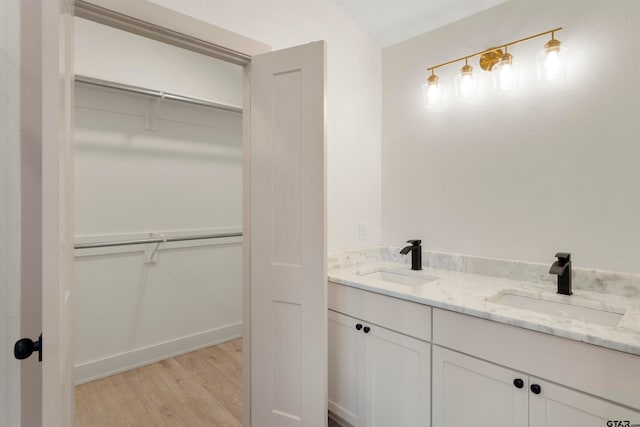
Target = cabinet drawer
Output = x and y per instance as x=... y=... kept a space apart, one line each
x=595 y=370
x=399 y=315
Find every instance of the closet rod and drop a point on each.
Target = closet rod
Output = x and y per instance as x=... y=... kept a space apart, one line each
x=156 y=93
x=154 y=240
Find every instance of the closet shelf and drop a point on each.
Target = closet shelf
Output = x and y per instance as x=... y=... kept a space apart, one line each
x=155 y=93
x=154 y=240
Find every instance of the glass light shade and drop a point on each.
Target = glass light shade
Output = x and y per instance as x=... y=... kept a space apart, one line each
x=505 y=73
x=466 y=83
x=432 y=94
x=552 y=61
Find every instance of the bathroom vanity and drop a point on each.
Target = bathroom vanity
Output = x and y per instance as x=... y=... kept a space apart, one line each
x=452 y=348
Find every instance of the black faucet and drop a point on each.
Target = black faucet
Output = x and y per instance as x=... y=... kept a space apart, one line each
x=562 y=267
x=416 y=253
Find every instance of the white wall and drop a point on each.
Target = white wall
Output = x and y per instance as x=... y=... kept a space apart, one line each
x=178 y=174
x=551 y=168
x=353 y=97
x=109 y=54
x=9 y=211
x=186 y=175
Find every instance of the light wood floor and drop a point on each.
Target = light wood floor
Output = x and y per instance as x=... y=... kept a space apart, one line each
x=203 y=388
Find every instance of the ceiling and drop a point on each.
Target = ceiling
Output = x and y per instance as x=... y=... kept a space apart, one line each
x=392 y=21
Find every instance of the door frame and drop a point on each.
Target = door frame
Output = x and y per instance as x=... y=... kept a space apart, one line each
x=156 y=22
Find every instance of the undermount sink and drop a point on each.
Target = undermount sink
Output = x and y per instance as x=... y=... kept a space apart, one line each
x=561 y=306
x=397 y=278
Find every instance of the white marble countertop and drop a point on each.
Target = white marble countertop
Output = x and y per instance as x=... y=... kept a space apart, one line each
x=472 y=294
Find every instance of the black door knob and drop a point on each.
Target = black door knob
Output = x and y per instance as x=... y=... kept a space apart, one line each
x=25 y=347
x=366 y=329
x=535 y=388
x=359 y=326
x=518 y=383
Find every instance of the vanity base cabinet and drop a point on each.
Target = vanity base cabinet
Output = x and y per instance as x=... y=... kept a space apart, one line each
x=470 y=392
x=380 y=378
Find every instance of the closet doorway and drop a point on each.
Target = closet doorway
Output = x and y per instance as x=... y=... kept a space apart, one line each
x=158 y=224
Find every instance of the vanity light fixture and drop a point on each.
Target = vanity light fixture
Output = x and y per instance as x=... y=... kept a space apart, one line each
x=505 y=72
x=466 y=82
x=432 y=93
x=552 y=63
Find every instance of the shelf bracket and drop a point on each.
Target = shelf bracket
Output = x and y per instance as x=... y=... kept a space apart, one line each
x=151 y=250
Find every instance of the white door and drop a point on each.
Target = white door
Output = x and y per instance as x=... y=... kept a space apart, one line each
x=288 y=238
x=288 y=258
x=468 y=391
x=47 y=221
x=10 y=326
x=396 y=379
x=57 y=213
x=556 y=406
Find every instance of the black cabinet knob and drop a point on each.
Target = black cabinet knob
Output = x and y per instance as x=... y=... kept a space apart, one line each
x=366 y=329
x=359 y=326
x=535 y=388
x=518 y=383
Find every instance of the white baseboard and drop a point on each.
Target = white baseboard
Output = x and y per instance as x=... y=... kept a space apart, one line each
x=115 y=364
x=338 y=420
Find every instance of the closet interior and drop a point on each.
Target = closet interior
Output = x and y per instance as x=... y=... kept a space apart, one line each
x=158 y=205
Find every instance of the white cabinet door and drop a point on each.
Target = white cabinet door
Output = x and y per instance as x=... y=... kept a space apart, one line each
x=346 y=368
x=377 y=377
x=397 y=391
x=557 y=406
x=468 y=391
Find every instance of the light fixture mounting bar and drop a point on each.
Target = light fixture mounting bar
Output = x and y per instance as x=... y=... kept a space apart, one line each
x=493 y=49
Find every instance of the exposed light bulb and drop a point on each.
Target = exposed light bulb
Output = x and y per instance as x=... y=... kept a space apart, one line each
x=466 y=86
x=466 y=83
x=552 y=65
x=432 y=93
x=552 y=61
x=506 y=77
x=505 y=73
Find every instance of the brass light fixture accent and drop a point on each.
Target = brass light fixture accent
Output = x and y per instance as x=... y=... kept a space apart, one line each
x=490 y=57
x=433 y=79
x=552 y=45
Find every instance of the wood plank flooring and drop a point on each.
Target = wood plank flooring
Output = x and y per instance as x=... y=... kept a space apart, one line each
x=203 y=388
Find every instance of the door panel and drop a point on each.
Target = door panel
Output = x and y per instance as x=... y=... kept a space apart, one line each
x=468 y=391
x=288 y=233
x=558 y=406
x=397 y=379
x=10 y=211
x=31 y=208
x=57 y=213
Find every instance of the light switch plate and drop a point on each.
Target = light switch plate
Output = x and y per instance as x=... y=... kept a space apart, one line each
x=362 y=231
